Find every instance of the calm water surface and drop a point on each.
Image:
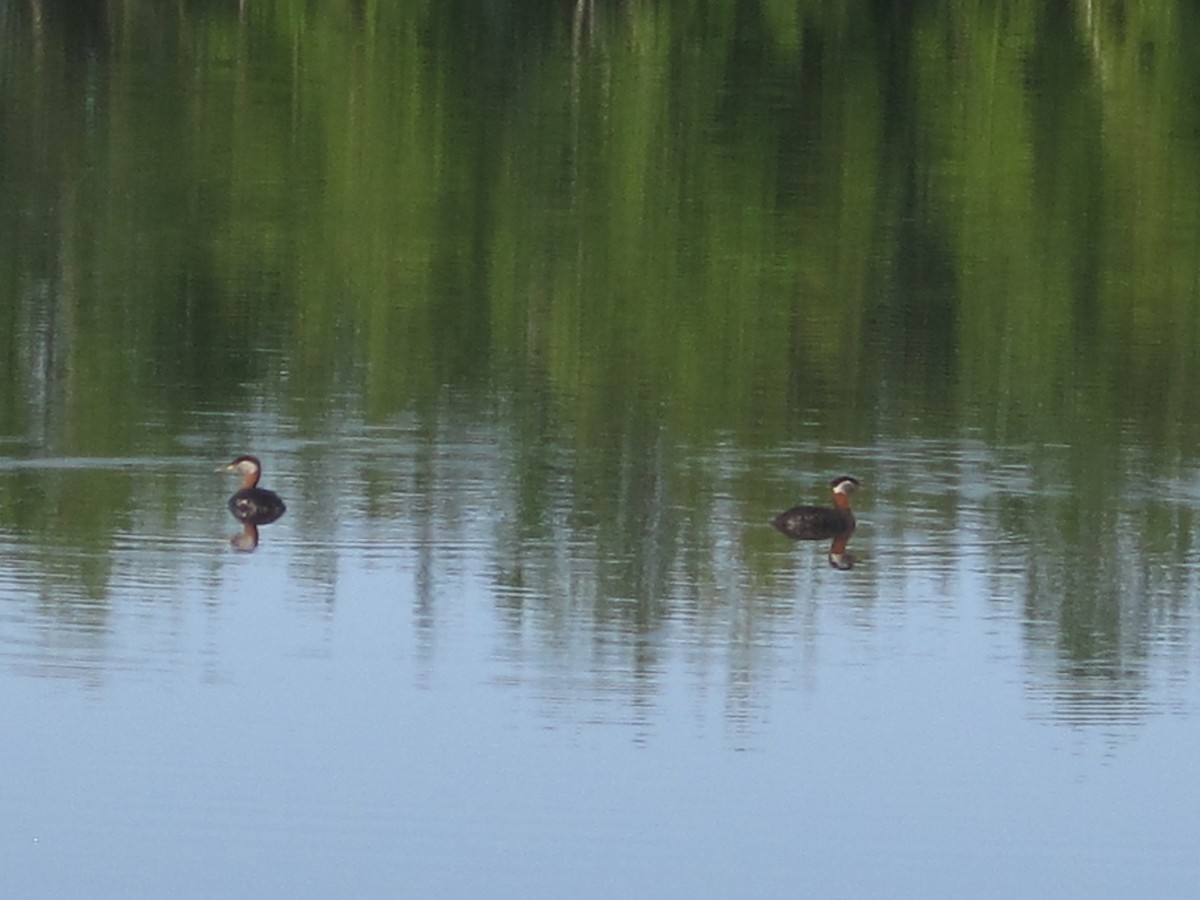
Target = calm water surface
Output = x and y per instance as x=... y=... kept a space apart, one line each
x=536 y=320
x=398 y=689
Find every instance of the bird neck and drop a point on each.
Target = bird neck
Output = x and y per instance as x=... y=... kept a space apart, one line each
x=841 y=501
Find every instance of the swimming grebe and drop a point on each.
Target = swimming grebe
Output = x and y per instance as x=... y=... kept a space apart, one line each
x=815 y=523
x=252 y=504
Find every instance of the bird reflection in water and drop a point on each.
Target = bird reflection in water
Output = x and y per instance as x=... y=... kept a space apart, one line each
x=838 y=557
x=251 y=505
x=820 y=523
x=247 y=541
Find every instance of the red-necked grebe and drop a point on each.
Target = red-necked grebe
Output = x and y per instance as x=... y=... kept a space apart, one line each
x=252 y=504
x=815 y=523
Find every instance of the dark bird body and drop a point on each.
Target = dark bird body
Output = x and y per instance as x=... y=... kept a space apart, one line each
x=252 y=504
x=815 y=523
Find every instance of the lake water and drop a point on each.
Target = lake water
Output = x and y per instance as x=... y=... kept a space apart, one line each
x=536 y=322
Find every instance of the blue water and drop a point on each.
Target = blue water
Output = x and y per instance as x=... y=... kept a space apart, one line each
x=383 y=709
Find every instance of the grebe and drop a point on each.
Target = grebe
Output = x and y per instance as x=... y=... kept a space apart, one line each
x=252 y=504
x=815 y=523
